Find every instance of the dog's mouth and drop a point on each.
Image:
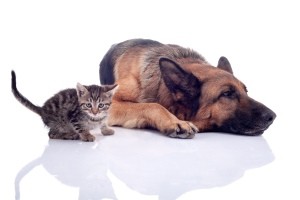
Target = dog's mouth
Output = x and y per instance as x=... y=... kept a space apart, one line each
x=253 y=121
x=253 y=132
x=250 y=132
x=241 y=131
x=248 y=127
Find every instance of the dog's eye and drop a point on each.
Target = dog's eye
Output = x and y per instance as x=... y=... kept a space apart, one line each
x=228 y=94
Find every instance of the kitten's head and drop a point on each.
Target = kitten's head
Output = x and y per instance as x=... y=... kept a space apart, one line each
x=95 y=100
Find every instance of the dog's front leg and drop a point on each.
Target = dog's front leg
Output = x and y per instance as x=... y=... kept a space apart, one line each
x=141 y=115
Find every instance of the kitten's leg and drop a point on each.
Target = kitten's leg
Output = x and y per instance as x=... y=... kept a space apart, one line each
x=86 y=136
x=54 y=134
x=83 y=133
x=71 y=136
x=107 y=131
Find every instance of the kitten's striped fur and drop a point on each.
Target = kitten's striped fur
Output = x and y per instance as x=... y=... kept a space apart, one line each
x=72 y=113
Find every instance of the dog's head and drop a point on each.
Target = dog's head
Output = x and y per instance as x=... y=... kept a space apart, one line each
x=213 y=99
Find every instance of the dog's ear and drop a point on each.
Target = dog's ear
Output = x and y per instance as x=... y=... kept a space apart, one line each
x=224 y=64
x=184 y=86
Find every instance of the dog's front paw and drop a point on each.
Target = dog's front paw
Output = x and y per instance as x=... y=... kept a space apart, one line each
x=183 y=130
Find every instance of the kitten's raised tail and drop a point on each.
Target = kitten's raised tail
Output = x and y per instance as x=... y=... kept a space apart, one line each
x=23 y=100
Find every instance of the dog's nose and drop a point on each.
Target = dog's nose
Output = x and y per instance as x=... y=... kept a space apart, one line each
x=269 y=117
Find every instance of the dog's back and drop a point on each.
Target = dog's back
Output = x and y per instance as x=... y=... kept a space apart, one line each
x=108 y=62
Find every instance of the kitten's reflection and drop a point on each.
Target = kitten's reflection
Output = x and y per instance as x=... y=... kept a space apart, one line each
x=162 y=166
x=74 y=163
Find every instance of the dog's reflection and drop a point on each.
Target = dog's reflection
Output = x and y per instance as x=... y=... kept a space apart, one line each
x=164 y=167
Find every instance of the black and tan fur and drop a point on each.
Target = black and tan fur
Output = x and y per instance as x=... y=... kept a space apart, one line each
x=176 y=91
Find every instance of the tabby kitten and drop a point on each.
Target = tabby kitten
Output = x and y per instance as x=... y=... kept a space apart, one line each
x=72 y=113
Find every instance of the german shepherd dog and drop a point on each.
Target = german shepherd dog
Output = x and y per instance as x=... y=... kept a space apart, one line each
x=176 y=91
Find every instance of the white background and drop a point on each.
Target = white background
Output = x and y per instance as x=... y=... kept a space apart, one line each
x=52 y=45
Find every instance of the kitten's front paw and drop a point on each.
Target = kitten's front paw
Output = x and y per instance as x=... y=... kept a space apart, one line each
x=107 y=131
x=87 y=137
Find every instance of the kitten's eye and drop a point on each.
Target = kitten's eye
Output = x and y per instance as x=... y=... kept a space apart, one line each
x=88 y=105
x=101 y=105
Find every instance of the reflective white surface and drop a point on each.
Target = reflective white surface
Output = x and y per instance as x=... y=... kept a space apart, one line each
x=54 y=45
x=142 y=162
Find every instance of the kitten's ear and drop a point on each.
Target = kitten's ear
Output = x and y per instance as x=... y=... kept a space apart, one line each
x=81 y=90
x=111 y=88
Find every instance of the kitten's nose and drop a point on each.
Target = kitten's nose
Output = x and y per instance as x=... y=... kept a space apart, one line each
x=94 y=111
